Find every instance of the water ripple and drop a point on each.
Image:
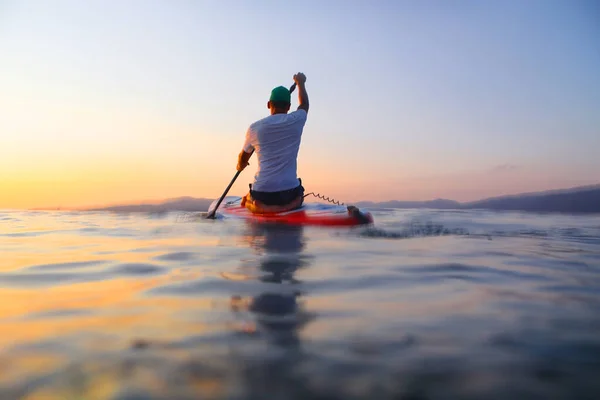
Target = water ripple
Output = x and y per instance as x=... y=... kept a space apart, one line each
x=48 y=279
x=138 y=269
x=177 y=256
x=472 y=272
x=69 y=265
x=59 y=313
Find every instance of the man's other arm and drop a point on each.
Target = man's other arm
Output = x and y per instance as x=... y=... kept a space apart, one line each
x=300 y=80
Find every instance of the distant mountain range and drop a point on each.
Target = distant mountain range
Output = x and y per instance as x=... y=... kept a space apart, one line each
x=179 y=204
x=585 y=199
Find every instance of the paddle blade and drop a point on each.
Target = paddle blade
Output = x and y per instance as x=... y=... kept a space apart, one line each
x=212 y=211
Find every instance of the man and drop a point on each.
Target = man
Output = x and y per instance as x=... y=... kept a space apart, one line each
x=276 y=141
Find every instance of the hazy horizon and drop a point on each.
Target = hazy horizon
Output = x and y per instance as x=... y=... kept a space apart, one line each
x=158 y=201
x=113 y=103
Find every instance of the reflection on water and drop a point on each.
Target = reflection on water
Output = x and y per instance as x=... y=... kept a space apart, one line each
x=425 y=305
x=277 y=255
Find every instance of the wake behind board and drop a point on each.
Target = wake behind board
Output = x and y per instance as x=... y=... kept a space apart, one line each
x=309 y=214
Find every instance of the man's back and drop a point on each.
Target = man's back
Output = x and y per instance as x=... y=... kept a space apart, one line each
x=276 y=141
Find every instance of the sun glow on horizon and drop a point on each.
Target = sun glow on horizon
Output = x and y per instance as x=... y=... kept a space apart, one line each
x=157 y=106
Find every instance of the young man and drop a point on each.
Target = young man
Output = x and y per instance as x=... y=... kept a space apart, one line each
x=276 y=141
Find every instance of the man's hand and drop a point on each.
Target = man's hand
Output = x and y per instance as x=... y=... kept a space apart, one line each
x=240 y=167
x=300 y=78
x=243 y=158
x=241 y=164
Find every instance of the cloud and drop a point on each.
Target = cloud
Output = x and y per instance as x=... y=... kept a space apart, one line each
x=505 y=167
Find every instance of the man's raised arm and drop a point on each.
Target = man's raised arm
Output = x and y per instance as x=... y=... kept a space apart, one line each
x=300 y=80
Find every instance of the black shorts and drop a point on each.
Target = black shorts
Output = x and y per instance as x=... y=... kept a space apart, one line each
x=278 y=198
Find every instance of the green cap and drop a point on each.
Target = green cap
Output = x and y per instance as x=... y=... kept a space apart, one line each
x=280 y=94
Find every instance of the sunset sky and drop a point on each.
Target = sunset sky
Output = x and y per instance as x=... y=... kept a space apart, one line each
x=105 y=102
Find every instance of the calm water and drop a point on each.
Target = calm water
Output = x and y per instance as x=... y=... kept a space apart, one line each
x=424 y=305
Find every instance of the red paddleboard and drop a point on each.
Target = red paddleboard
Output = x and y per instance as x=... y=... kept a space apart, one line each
x=309 y=214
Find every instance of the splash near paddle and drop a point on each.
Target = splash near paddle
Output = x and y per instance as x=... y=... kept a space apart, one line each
x=314 y=214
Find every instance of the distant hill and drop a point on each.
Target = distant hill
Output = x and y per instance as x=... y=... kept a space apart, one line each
x=441 y=204
x=576 y=200
x=584 y=199
x=188 y=204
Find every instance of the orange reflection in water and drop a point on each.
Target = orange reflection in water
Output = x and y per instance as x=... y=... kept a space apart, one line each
x=58 y=329
x=48 y=245
x=115 y=306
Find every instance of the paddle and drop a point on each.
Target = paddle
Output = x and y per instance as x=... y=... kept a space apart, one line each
x=213 y=213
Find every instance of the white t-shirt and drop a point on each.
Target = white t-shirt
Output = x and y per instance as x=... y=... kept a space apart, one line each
x=276 y=141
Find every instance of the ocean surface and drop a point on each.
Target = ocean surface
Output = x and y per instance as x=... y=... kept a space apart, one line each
x=424 y=304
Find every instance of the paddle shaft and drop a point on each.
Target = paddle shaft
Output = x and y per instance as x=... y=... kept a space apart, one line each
x=212 y=215
x=214 y=212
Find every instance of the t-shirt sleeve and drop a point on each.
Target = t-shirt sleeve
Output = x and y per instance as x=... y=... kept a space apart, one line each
x=248 y=147
x=300 y=115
